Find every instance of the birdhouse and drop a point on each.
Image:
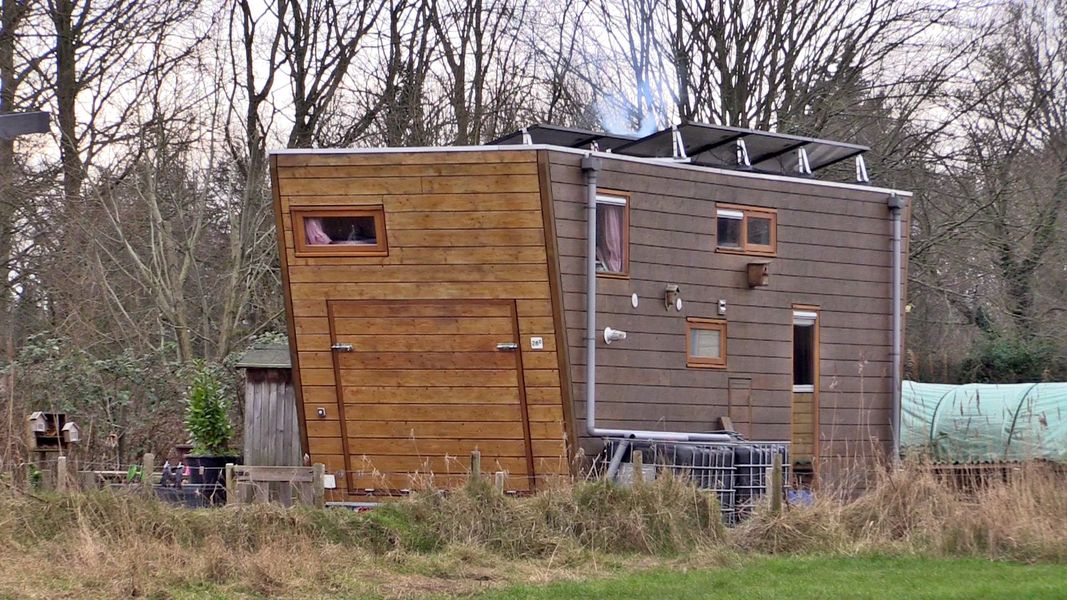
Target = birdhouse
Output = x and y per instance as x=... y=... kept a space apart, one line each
x=71 y=433
x=36 y=423
x=44 y=430
x=759 y=273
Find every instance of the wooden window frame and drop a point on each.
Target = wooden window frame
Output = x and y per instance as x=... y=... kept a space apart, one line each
x=625 y=196
x=703 y=324
x=746 y=248
x=815 y=385
x=303 y=250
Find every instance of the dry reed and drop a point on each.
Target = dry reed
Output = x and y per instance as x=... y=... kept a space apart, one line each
x=117 y=545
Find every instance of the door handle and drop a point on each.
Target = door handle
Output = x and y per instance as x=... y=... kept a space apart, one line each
x=339 y=347
x=507 y=346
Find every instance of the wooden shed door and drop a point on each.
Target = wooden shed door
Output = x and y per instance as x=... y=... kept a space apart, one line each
x=422 y=383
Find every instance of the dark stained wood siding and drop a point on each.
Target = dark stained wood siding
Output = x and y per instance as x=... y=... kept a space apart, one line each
x=461 y=226
x=833 y=252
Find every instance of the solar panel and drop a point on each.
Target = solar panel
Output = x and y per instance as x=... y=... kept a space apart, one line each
x=702 y=144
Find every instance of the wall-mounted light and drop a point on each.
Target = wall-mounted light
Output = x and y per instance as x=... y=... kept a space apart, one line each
x=613 y=335
x=722 y=307
x=321 y=412
x=672 y=296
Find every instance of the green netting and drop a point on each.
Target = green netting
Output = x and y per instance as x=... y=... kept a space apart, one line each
x=985 y=422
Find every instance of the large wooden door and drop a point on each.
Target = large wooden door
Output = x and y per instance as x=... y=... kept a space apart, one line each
x=422 y=384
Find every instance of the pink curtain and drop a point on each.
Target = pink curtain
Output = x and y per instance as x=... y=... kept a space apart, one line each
x=609 y=248
x=314 y=233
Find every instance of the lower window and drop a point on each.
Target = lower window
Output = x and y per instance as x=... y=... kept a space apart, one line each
x=705 y=342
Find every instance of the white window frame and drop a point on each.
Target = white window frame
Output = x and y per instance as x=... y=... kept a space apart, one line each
x=807 y=318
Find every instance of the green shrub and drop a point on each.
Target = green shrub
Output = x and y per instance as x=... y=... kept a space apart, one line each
x=1010 y=359
x=207 y=414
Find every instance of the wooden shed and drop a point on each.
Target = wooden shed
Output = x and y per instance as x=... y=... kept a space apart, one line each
x=271 y=426
x=437 y=300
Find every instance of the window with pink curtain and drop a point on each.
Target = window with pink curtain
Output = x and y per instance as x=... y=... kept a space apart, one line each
x=339 y=231
x=611 y=234
x=325 y=231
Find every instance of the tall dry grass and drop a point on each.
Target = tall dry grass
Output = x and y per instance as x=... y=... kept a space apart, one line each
x=118 y=545
x=1016 y=514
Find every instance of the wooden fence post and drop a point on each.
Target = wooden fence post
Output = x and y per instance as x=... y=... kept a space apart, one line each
x=318 y=485
x=61 y=474
x=231 y=485
x=638 y=460
x=775 y=484
x=148 y=465
x=476 y=465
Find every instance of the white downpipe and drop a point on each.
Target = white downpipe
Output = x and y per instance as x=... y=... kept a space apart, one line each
x=896 y=209
x=590 y=167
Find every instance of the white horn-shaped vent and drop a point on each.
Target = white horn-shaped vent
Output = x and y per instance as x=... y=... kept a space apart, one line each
x=613 y=335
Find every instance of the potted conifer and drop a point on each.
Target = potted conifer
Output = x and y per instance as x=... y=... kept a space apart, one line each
x=207 y=419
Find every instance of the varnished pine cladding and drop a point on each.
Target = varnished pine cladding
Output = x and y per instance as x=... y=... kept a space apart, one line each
x=832 y=252
x=461 y=227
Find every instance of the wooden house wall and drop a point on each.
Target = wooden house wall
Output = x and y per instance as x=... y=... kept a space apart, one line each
x=460 y=226
x=833 y=252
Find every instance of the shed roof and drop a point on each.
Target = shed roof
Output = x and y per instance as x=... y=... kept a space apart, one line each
x=267 y=356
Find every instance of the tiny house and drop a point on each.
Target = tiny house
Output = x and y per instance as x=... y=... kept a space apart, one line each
x=439 y=301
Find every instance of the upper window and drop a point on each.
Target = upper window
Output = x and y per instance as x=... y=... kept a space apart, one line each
x=340 y=231
x=746 y=230
x=705 y=342
x=612 y=235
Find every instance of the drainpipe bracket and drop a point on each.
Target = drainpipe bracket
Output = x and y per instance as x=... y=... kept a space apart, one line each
x=897 y=202
x=591 y=163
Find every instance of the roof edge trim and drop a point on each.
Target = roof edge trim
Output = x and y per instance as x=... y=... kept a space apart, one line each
x=581 y=152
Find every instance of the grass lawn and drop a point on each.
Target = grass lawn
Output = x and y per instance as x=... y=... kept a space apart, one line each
x=804 y=578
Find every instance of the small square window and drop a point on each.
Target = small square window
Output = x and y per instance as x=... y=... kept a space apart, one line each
x=339 y=231
x=612 y=235
x=746 y=230
x=705 y=343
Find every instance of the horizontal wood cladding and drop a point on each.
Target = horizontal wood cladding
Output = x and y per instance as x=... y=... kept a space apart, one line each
x=833 y=252
x=421 y=385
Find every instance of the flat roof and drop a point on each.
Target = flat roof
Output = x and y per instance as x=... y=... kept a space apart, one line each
x=600 y=154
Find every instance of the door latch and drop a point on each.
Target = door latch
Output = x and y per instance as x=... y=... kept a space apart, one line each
x=507 y=346
x=341 y=347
